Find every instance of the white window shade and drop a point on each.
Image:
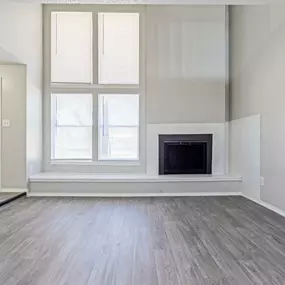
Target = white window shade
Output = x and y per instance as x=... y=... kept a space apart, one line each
x=118 y=48
x=71 y=47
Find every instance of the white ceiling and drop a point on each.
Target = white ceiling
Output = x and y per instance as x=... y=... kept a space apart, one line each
x=162 y=2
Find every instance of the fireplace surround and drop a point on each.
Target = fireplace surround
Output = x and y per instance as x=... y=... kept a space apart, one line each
x=185 y=154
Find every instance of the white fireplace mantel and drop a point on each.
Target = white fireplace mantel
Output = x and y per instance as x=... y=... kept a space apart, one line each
x=220 y=143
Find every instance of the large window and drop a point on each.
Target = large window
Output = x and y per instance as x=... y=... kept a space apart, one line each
x=94 y=84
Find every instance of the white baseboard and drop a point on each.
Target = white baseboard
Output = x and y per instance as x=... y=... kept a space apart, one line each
x=266 y=205
x=13 y=190
x=118 y=195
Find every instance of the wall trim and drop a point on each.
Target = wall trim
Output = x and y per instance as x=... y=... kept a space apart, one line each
x=266 y=205
x=130 y=195
x=13 y=190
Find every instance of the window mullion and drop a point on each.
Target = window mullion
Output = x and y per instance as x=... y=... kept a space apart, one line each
x=70 y=87
x=53 y=126
x=95 y=91
x=95 y=141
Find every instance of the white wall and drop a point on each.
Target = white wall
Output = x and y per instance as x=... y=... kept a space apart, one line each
x=21 y=42
x=186 y=64
x=13 y=139
x=257 y=45
x=244 y=154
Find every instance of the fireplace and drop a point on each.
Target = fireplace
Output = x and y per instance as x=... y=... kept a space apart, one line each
x=185 y=154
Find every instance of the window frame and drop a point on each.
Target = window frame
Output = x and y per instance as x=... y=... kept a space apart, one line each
x=95 y=89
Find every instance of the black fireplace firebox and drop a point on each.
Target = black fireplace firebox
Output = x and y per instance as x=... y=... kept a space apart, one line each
x=185 y=154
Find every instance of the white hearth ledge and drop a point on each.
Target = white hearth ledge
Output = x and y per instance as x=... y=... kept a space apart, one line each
x=135 y=178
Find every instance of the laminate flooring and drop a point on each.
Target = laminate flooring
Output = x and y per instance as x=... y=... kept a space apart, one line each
x=142 y=241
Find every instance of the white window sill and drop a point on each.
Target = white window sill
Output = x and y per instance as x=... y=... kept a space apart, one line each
x=96 y=163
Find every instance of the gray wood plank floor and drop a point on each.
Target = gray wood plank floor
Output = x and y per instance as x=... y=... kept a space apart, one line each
x=147 y=241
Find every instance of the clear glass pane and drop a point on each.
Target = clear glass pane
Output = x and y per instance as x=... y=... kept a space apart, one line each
x=71 y=47
x=119 y=143
x=118 y=48
x=72 y=109
x=119 y=110
x=72 y=143
x=118 y=127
